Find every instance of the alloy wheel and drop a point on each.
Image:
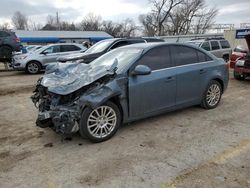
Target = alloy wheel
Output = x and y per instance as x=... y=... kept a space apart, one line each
x=102 y=121
x=213 y=95
x=33 y=68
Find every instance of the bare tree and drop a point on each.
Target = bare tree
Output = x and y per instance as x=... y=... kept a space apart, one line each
x=5 y=26
x=204 y=21
x=20 y=21
x=170 y=17
x=91 y=23
x=112 y=28
x=51 y=20
x=161 y=10
x=192 y=16
x=128 y=28
x=148 y=24
x=34 y=26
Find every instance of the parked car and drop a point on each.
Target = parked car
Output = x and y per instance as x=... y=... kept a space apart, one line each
x=103 y=47
x=37 y=60
x=242 y=67
x=217 y=46
x=240 y=60
x=9 y=43
x=127 y=84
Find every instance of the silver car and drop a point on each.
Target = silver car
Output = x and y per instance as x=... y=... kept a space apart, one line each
x=217 y=46
x=35 y=61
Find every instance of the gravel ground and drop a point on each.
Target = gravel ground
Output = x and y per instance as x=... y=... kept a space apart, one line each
x=187 y=148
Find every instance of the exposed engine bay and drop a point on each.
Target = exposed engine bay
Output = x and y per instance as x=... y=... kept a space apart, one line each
x=65 y=89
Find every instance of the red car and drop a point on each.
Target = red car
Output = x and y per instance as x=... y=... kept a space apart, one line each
x=240 y=61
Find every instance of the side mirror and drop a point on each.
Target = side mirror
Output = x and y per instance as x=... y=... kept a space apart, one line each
x=141 y=70
x=44 y=53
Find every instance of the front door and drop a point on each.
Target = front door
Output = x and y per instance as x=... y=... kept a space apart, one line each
x=154 y=92
x=50 y=54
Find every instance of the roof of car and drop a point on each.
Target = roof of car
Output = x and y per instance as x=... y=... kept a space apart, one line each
x=206 y=39
x=148 y=46
x=154 y=44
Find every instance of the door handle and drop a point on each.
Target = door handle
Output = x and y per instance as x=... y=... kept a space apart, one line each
x=202 y=71
x=169 y=79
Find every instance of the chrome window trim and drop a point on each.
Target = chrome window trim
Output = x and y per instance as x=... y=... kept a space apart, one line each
x=182 y=66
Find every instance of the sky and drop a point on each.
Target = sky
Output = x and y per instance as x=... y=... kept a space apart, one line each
x=230 y=11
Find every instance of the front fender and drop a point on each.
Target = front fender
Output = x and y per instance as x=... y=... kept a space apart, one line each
x=103 y=93
x=97 y=97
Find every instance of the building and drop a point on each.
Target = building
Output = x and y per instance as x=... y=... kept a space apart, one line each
x=236 y=37
x=47 y=37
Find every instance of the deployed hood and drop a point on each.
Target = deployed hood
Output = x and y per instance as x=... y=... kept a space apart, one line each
x=65 y=78
x=247 y=37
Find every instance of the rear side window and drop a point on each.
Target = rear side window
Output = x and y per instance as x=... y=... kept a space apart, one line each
x=52 y=49
x=206 y=46
x=157 y=58
x=215 y=45
x=183 y=55
x=224 y=44
x=68 y=48
x=203 y=57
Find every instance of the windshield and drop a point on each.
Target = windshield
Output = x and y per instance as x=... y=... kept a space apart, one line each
x=100 y=46
x=124 y=57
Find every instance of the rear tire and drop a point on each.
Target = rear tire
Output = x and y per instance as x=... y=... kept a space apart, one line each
x=212 y=95
x=101 y=123
x=238 y=76
x=33 y=67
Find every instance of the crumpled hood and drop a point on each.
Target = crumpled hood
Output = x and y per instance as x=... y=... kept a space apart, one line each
x=65 y=78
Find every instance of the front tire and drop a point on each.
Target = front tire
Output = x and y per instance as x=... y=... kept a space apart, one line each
x=33 y=67
x=212 y=95
x=101 y=123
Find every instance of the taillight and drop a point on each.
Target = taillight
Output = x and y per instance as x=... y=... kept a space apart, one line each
x=17 y=39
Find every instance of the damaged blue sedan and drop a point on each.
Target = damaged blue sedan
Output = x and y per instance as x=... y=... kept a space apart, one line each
x=127 y=84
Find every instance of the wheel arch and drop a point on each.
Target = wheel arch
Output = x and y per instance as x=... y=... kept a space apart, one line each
x=115 y=99
x=33 y=60
x=220 y=82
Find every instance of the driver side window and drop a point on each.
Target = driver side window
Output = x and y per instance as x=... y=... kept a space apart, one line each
x=52 y=49
x=157 y=58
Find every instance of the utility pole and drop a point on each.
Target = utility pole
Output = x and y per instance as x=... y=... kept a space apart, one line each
x=57 y=21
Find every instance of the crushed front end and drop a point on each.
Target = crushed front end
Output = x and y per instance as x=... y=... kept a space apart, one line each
x=61 y=113
x=65 y=89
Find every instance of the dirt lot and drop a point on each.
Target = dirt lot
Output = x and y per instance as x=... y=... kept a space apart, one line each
x=188 y=148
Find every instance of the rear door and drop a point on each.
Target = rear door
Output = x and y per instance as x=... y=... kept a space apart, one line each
x=68 y=49
x=215 y=48
x=190 y=73
x=154 y=92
